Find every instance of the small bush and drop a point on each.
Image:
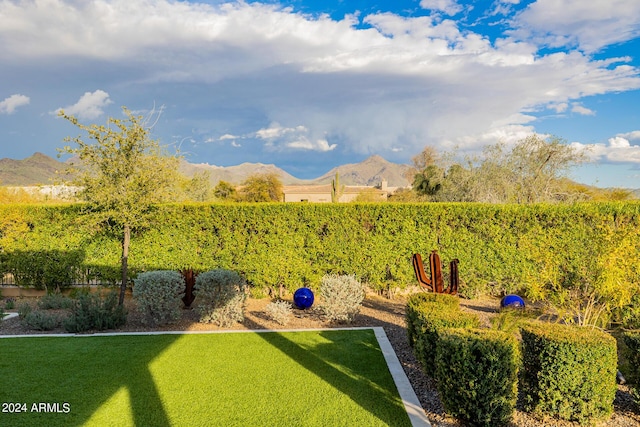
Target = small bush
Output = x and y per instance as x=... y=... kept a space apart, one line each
x=477 y=374
x=158 y=296
x=92 y=312
x=23 y=310
x=279 y=311
x=220 y=296
x=54 y=302
x=42 y=320
x=9 y=303
x=568 y=371
x=342 y=297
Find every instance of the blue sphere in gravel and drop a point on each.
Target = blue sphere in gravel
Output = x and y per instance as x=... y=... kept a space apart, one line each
x=512 y=301
x=303 y=298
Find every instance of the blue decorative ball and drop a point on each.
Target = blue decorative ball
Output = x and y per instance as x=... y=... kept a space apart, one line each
x=303 y=298
x=512 y=301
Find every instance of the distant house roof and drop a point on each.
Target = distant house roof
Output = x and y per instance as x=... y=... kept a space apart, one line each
x=325 y=188
x=322 y=193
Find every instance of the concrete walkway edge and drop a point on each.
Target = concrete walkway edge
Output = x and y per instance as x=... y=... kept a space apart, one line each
x=407 y=394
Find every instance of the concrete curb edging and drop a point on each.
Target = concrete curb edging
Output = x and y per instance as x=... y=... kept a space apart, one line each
x=407 y=394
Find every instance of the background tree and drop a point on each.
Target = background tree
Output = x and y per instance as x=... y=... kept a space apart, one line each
x=196 y=189
x=121 y=175
x=533 y=170
x=539 y=164
x=265 y=187
x=224 y=191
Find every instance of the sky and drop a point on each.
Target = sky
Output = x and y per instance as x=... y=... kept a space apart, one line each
x=308 y=85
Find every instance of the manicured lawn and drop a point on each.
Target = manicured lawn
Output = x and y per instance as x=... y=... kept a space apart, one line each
x=311 y=378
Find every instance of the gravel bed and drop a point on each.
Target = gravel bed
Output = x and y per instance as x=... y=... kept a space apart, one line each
x=389 y=314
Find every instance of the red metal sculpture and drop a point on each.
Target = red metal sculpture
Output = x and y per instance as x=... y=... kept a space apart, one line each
x=434 y=282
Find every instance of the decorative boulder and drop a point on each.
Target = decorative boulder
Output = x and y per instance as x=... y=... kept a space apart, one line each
x=303 y=298
x=512 y=301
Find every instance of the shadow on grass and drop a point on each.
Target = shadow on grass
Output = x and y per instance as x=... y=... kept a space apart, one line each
x=353 y=374
x=99 y=379
x=116 y=364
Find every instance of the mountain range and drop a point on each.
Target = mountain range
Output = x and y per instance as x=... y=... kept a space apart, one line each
x=40 y=169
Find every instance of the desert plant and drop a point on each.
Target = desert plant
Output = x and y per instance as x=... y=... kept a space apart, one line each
x=54 y=301
x=92 y=312
x=342 y=297
x=23 y=310
x=279 y=311
x=158 y=295
x=220 y=296
x=9 y=303
x=42 y=320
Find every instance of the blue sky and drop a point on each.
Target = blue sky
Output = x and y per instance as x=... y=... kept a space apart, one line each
x=309 y=85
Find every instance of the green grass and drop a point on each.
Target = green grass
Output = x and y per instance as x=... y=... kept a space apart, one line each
x=311 y=378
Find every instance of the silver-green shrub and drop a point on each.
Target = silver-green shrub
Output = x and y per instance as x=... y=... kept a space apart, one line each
x=23 y=310
x=42 y=320
x=220 y=296
x=158 y=295
x=279 y=311
x=342 y=297
x=54 y=301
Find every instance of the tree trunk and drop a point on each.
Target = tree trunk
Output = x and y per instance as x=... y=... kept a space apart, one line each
x=125 y=256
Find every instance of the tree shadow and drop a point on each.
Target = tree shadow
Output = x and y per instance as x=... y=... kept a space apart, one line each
x=102 y=378
x=364 y=383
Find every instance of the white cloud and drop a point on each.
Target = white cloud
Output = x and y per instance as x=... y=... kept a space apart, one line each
x=397 y=86
x=618 y=149
x=590 y=25
x=9 y=105
x=279 y=137
x=631 y=136
x=89 y=106
x=305 y=144
x=450 y=7
x=582 y=110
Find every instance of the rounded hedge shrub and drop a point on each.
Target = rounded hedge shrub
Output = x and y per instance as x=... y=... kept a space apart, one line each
x=477 y=374
x=568 y=371
x=220 y=296
x=158 y=295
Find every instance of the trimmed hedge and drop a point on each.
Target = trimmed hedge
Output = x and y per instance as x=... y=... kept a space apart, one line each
x=632 y=341
x=568 y=372
x=477 y=374
x=501 y=248
x=413 y=310
x=426 y=316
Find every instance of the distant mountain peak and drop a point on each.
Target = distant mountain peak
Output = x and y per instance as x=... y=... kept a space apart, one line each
x=41 y=169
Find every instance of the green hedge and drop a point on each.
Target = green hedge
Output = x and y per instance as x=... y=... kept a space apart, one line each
x=501 y=248
x=477 y=374
x=415 y=307
x=632 y=341
x=427 y=315
x=568 y=372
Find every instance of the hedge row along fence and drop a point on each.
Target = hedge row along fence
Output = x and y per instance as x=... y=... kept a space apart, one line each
x=501 y=248
x=561 y=371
